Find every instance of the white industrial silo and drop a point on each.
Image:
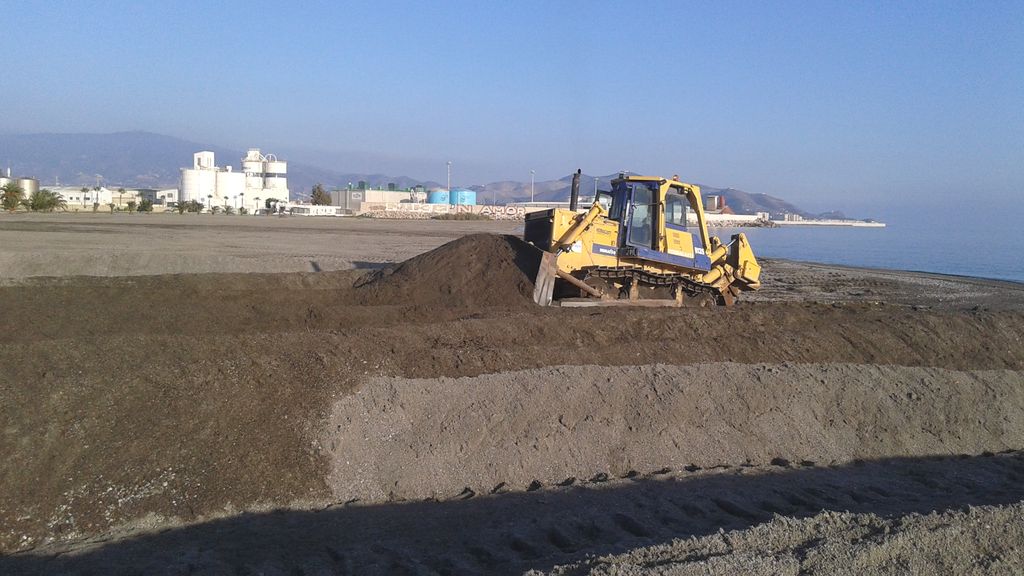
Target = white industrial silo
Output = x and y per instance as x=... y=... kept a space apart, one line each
x=198 y=184
x=28 y=185
x=273 y=166
x=203 y=161
x=252 y=166
x=230 y=185
x=275 y=176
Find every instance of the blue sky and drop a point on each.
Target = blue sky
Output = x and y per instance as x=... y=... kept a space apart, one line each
x=844 y=104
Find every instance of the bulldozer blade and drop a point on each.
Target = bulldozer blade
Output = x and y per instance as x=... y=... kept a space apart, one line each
x=544 y=284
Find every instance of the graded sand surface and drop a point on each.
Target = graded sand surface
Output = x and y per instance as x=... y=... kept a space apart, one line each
x=427 y=418
x=125 y=244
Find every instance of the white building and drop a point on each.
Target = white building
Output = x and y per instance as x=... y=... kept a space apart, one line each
x=81 y=199
x=261 y=177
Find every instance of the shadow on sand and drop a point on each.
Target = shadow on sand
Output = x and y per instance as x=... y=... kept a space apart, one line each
x=514 y=532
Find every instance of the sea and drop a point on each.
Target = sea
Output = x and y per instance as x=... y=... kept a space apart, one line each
x=988 y=246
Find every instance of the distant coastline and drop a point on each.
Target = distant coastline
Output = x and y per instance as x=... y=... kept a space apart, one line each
x=854 y=223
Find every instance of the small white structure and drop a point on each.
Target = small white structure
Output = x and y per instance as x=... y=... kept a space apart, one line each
x=262 y=177
x=314 y=210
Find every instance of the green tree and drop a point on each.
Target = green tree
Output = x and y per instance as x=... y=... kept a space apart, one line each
x=229 y=210
x=181 y=207
x=243 y=210
x=320 y=197
x=45 y=201
x=270 y=202
x=145 y=205
x=131 y=205
x=12 y=196
x=111 y=205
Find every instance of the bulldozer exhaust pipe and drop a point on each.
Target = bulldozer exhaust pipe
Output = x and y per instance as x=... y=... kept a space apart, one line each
x=574 y=196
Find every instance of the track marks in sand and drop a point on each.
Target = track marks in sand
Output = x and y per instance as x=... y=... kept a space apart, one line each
x=513 y=532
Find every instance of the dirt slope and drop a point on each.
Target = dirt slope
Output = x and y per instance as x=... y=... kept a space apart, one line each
x=151 y=401
x=433 y=438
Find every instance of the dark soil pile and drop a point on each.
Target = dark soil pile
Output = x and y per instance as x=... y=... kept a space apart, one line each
x=475 y=270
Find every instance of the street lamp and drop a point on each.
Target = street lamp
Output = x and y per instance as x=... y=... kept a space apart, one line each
x=257 y=210
x=595 y=187
x=449 y=176
x=531 y=185
x=209 y=202
x=242 y=194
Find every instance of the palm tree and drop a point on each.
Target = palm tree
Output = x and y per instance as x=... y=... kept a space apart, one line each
x=12 y=196
x=45 y=201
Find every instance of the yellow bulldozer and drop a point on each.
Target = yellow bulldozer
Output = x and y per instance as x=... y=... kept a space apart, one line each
x=635 y=246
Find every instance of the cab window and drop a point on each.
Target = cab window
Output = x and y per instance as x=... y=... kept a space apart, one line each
x=641 y=219
x=676 y=206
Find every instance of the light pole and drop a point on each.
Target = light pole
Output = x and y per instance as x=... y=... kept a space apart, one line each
x=449 y=176
x=242 y=194
x=595 y=187
x=209 y=202
x=256 y=209
x=531 y=186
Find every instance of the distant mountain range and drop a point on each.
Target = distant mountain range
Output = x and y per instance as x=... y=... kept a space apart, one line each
x=558 y=190
x=147 y=160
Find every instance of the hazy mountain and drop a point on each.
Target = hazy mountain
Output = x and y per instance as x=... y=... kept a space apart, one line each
x=746 y=203
x=558 y=190
x=146 y=160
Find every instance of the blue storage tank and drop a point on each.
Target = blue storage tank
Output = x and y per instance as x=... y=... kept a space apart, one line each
x=463 y=197
x=438 y=197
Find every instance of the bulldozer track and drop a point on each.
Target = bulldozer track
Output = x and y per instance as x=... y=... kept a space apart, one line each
x=689 y=285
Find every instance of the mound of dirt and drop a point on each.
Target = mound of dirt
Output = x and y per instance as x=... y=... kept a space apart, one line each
x=431 y=438
x=475 y=270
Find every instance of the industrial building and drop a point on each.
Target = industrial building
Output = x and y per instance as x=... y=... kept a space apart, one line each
x=27 y=185
x=262 y=177
x=354 y=200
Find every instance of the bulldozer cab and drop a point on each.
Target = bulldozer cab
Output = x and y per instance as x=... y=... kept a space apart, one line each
x=652 y=215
